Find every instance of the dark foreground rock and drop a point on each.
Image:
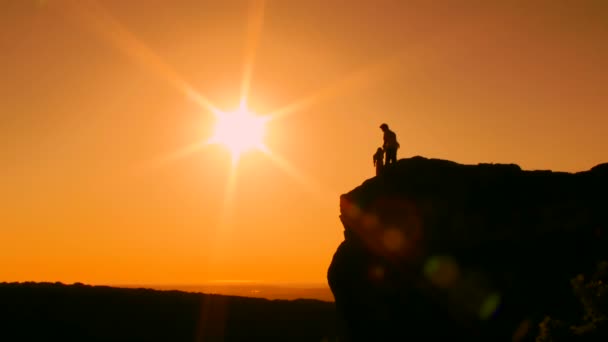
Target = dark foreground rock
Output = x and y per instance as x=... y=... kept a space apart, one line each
x=57 y=312
x=436 y=249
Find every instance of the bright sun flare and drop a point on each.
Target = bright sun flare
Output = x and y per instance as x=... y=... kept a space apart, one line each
x=240 y=131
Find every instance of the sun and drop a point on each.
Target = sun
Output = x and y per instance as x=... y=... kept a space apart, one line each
x=240 y=131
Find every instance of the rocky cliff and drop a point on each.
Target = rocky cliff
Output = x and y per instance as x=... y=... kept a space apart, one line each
x=434 y=248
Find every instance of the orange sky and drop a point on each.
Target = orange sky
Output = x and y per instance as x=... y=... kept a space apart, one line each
x=96 y=98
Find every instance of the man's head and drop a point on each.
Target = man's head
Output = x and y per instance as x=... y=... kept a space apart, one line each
x=384 y=127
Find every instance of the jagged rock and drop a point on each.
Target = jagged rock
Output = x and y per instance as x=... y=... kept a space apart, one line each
x=435 y=249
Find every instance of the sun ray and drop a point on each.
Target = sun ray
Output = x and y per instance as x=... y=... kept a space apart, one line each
x=309 y=184
x=181 y=153
x=225 y=223
x=94 y=15
x=360 y=78
x=357 y=79
x=254 y=31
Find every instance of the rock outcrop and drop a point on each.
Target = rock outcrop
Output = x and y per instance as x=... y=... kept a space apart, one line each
x=436 y=249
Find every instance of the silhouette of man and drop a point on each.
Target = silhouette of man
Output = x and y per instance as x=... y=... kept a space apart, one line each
x=390 y=145
x=379 y=160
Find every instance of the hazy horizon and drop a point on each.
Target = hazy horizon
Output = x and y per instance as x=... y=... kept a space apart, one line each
x=268 y=290
x=287 y=291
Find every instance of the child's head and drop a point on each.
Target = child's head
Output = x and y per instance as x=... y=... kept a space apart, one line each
x=379 y=150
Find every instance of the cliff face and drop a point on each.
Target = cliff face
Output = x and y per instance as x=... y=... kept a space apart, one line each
x=434 y=248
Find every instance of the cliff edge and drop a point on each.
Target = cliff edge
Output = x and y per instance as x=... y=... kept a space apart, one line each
x=434 y=249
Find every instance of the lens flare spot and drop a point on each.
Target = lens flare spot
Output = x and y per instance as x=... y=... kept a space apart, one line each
x=353 y=212
x=370 y=221
x=489 y=306
x=442 y=271
x=394 y=240
x=376 y=272
x=522 y=331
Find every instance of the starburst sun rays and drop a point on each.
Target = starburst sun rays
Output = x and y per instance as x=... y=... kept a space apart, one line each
x=239 y=131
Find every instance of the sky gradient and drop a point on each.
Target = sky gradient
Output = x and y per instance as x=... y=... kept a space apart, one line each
x=99 y=100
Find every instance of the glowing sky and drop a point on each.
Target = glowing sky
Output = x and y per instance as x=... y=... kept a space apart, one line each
x=104 y=105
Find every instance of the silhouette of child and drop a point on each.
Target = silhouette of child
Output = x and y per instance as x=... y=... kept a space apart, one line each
x=379 y=160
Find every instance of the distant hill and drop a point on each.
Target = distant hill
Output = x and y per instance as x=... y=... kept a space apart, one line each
x=58 y=312
x=251 y=289
x=435 y=249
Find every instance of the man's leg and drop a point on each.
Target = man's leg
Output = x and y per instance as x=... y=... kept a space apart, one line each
x=392 y=155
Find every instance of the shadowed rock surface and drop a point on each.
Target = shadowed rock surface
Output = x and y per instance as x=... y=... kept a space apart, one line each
x=435 y=248
x=57 y=312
